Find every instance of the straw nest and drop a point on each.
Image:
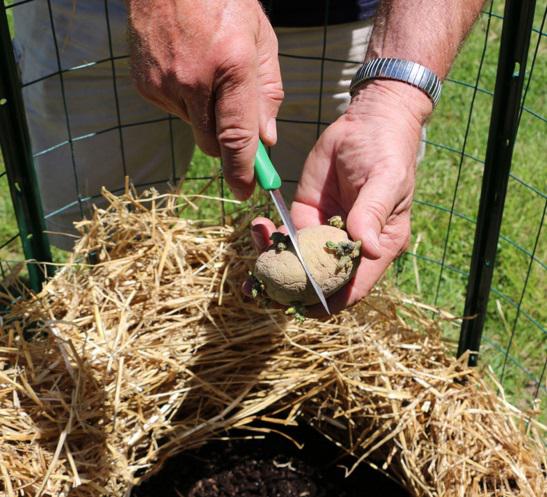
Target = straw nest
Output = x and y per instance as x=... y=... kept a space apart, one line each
x=143 y=346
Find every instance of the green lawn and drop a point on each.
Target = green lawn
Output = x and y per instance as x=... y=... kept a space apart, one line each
x=437 y=182
x=447 y=184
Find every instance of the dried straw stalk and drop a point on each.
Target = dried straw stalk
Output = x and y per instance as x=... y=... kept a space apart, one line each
x=116 y=366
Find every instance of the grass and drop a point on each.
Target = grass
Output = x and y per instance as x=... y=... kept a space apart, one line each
x=444 y=178
x=444 y=214
x=10 y=249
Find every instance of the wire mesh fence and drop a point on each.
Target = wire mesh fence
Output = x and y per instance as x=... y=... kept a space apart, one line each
x=88 y=148
x=9 y=235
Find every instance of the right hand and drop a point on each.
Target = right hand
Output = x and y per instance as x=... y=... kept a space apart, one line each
x=214 y=64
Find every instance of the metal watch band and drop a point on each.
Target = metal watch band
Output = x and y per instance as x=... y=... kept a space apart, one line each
x=401 y=70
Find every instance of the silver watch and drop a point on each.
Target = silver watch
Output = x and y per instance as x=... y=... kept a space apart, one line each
x=401 y=70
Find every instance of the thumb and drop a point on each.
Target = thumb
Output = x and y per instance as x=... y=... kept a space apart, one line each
x=375 y=203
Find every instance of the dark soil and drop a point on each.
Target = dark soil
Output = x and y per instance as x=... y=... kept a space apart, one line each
x=271 y=467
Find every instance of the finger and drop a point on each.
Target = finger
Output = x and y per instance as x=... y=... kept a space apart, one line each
x=268 y=109
x=261 y=230
x=394 y=241
x=236 y=113
x=368 y=273
x=201 y=111
x=375 y=203
x=304 y=215
x=317 y=198
x=269 y=84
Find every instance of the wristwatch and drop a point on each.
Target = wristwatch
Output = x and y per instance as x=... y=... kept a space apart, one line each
x=400 y=70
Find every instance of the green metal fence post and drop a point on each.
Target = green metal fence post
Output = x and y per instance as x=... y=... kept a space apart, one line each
x=515 y=41
x=16 y=149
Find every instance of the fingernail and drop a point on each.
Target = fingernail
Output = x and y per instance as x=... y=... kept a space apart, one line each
x=257 y=236
x=271 y=131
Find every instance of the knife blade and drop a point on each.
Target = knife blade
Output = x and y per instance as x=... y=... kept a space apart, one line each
x=270 y=181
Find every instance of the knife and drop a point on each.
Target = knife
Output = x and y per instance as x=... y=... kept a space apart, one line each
x=269 y=180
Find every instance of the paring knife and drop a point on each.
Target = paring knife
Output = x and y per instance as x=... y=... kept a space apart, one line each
x=270 y=181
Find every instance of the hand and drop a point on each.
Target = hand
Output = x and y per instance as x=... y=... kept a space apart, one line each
x=214 y=64
x=363 y=168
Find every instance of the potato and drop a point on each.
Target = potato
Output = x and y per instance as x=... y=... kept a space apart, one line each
x=329 y=254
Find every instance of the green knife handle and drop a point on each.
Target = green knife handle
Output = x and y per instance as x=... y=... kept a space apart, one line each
x=266 y=175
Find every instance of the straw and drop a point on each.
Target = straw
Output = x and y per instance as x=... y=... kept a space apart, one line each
x=152 y=350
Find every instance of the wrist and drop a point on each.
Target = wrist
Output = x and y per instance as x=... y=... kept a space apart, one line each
x=379 y=95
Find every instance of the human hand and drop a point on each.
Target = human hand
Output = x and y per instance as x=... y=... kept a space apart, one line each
x=362 y=168
x=214 y=64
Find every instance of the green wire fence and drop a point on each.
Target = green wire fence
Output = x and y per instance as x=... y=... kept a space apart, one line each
x=478 y=246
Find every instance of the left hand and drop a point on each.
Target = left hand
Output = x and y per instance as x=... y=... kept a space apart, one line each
x=363 y=169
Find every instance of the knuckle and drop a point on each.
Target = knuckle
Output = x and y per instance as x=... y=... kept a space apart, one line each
x=401 y=175
x=168 y=82
x=188 y=81
x=276 y=94
x=405 y=243
x=237 y=177
x=393 y=174
x=268 y=41
x=234 y=60
x=377 y=210
x=236 y=138
x=402 y=238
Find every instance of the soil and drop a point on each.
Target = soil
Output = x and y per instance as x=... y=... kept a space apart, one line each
x=270 y=467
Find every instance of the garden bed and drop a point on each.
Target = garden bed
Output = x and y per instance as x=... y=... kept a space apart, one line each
x=271 y=466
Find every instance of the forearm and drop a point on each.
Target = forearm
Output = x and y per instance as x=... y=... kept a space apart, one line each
x=424 y=31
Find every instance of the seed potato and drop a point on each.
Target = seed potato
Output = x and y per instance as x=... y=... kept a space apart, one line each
x=330 y=255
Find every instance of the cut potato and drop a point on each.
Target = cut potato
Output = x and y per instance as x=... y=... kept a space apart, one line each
x=330 y=255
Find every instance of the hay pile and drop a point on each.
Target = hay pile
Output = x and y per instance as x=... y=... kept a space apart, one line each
x=152 y=350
